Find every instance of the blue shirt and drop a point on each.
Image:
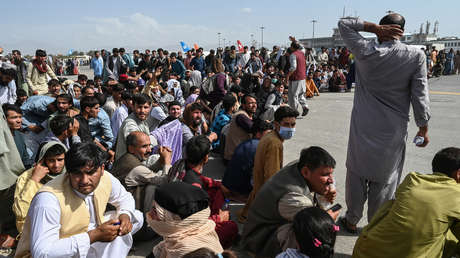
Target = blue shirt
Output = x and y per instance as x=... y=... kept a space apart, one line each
x=178 y=68
x=238 y=174
x=26 y=156
x=220 y=121
x=97 y=65
x=198 y=64
x=100 y=128
x=35 y=110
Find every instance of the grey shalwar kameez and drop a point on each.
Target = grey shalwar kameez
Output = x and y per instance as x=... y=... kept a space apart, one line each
x=389 y=77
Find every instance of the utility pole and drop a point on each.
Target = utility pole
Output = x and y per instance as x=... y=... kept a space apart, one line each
x=313 y=36
x=218 y=36
x=224 y=41
x=262 y=30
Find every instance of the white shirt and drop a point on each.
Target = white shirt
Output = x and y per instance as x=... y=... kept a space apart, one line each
x=45 y=215
x=120 y=114
x=244 y=58
x=8 y=93
x=158 y=113
x=110 y=106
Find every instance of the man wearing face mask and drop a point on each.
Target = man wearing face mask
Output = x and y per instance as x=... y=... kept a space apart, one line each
x=269 y=154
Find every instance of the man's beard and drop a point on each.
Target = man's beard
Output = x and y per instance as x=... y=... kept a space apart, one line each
x=197 y=122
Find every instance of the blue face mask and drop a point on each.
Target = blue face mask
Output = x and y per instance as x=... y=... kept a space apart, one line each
x=286 y=132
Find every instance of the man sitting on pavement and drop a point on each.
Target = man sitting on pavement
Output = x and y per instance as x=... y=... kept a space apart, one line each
x=268 y=229
x=132 y=170
x=240 y=125
x=139 y=120
x=423 y=219
x=268 y=159
x=238 y=175
x=13 y=116
x=64 y=129
x=194 y=124
x=89 y=109
x=121 y=112
x=50 y=164
x=66 y=218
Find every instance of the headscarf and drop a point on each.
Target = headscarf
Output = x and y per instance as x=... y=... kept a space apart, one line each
x=71 y=90
x=42 y=153
x=182 y=219
x=196 y=79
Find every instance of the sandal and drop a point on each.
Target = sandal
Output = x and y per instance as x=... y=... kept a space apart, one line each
x=350 y=228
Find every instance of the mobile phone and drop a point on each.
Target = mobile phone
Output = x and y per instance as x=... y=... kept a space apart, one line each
x=116 y=224
x=336 y=207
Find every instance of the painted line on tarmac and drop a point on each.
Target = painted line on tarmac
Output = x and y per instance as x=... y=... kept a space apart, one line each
x=444 y=93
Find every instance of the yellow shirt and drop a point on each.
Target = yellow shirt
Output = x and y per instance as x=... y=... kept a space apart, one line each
x=268 y=160
x=26 y=189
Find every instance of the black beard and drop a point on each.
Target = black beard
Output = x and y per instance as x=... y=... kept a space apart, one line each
x=197 y=122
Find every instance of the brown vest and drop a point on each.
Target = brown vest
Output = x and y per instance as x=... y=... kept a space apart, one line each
x=235 y=136
x=124 y=165
x=75 y=216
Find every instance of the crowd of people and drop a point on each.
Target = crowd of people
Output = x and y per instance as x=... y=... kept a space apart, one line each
x=87 y=165
x=442 y=62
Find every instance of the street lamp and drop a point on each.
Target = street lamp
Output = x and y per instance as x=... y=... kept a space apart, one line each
x=252 y=39
x=218 y=37
x=224 y=41
x=262 y=35
x=313 y=37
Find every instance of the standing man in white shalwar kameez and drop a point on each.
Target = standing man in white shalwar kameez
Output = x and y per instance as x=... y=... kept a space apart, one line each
x=390 y=76
x=66 y=217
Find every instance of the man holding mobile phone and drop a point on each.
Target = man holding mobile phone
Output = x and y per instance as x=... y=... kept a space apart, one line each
x=295 y=187
x=50 y=164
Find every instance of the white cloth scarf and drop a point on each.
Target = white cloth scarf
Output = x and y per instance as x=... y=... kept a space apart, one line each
x=182 y=236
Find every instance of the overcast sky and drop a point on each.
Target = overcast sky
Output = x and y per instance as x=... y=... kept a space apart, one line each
x=58 y=26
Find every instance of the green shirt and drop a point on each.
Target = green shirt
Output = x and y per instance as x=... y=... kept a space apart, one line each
x=418 y=223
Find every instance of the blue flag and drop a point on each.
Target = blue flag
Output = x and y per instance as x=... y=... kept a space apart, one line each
x=70 y=52
x=184 y=46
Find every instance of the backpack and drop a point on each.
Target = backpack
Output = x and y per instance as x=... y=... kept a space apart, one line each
x=208 y=84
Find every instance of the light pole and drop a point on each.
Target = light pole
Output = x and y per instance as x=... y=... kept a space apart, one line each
x=262 y=35
x=218 y=37
x=313 y=37
x=224 y=41
x=252 y=39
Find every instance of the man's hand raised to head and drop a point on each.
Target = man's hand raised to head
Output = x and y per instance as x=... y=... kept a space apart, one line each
x=384 y=32
x=389 y=32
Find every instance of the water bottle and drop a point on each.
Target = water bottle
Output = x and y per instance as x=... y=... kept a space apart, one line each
x=226 y=205
x=322 y=201
x=419 y=140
